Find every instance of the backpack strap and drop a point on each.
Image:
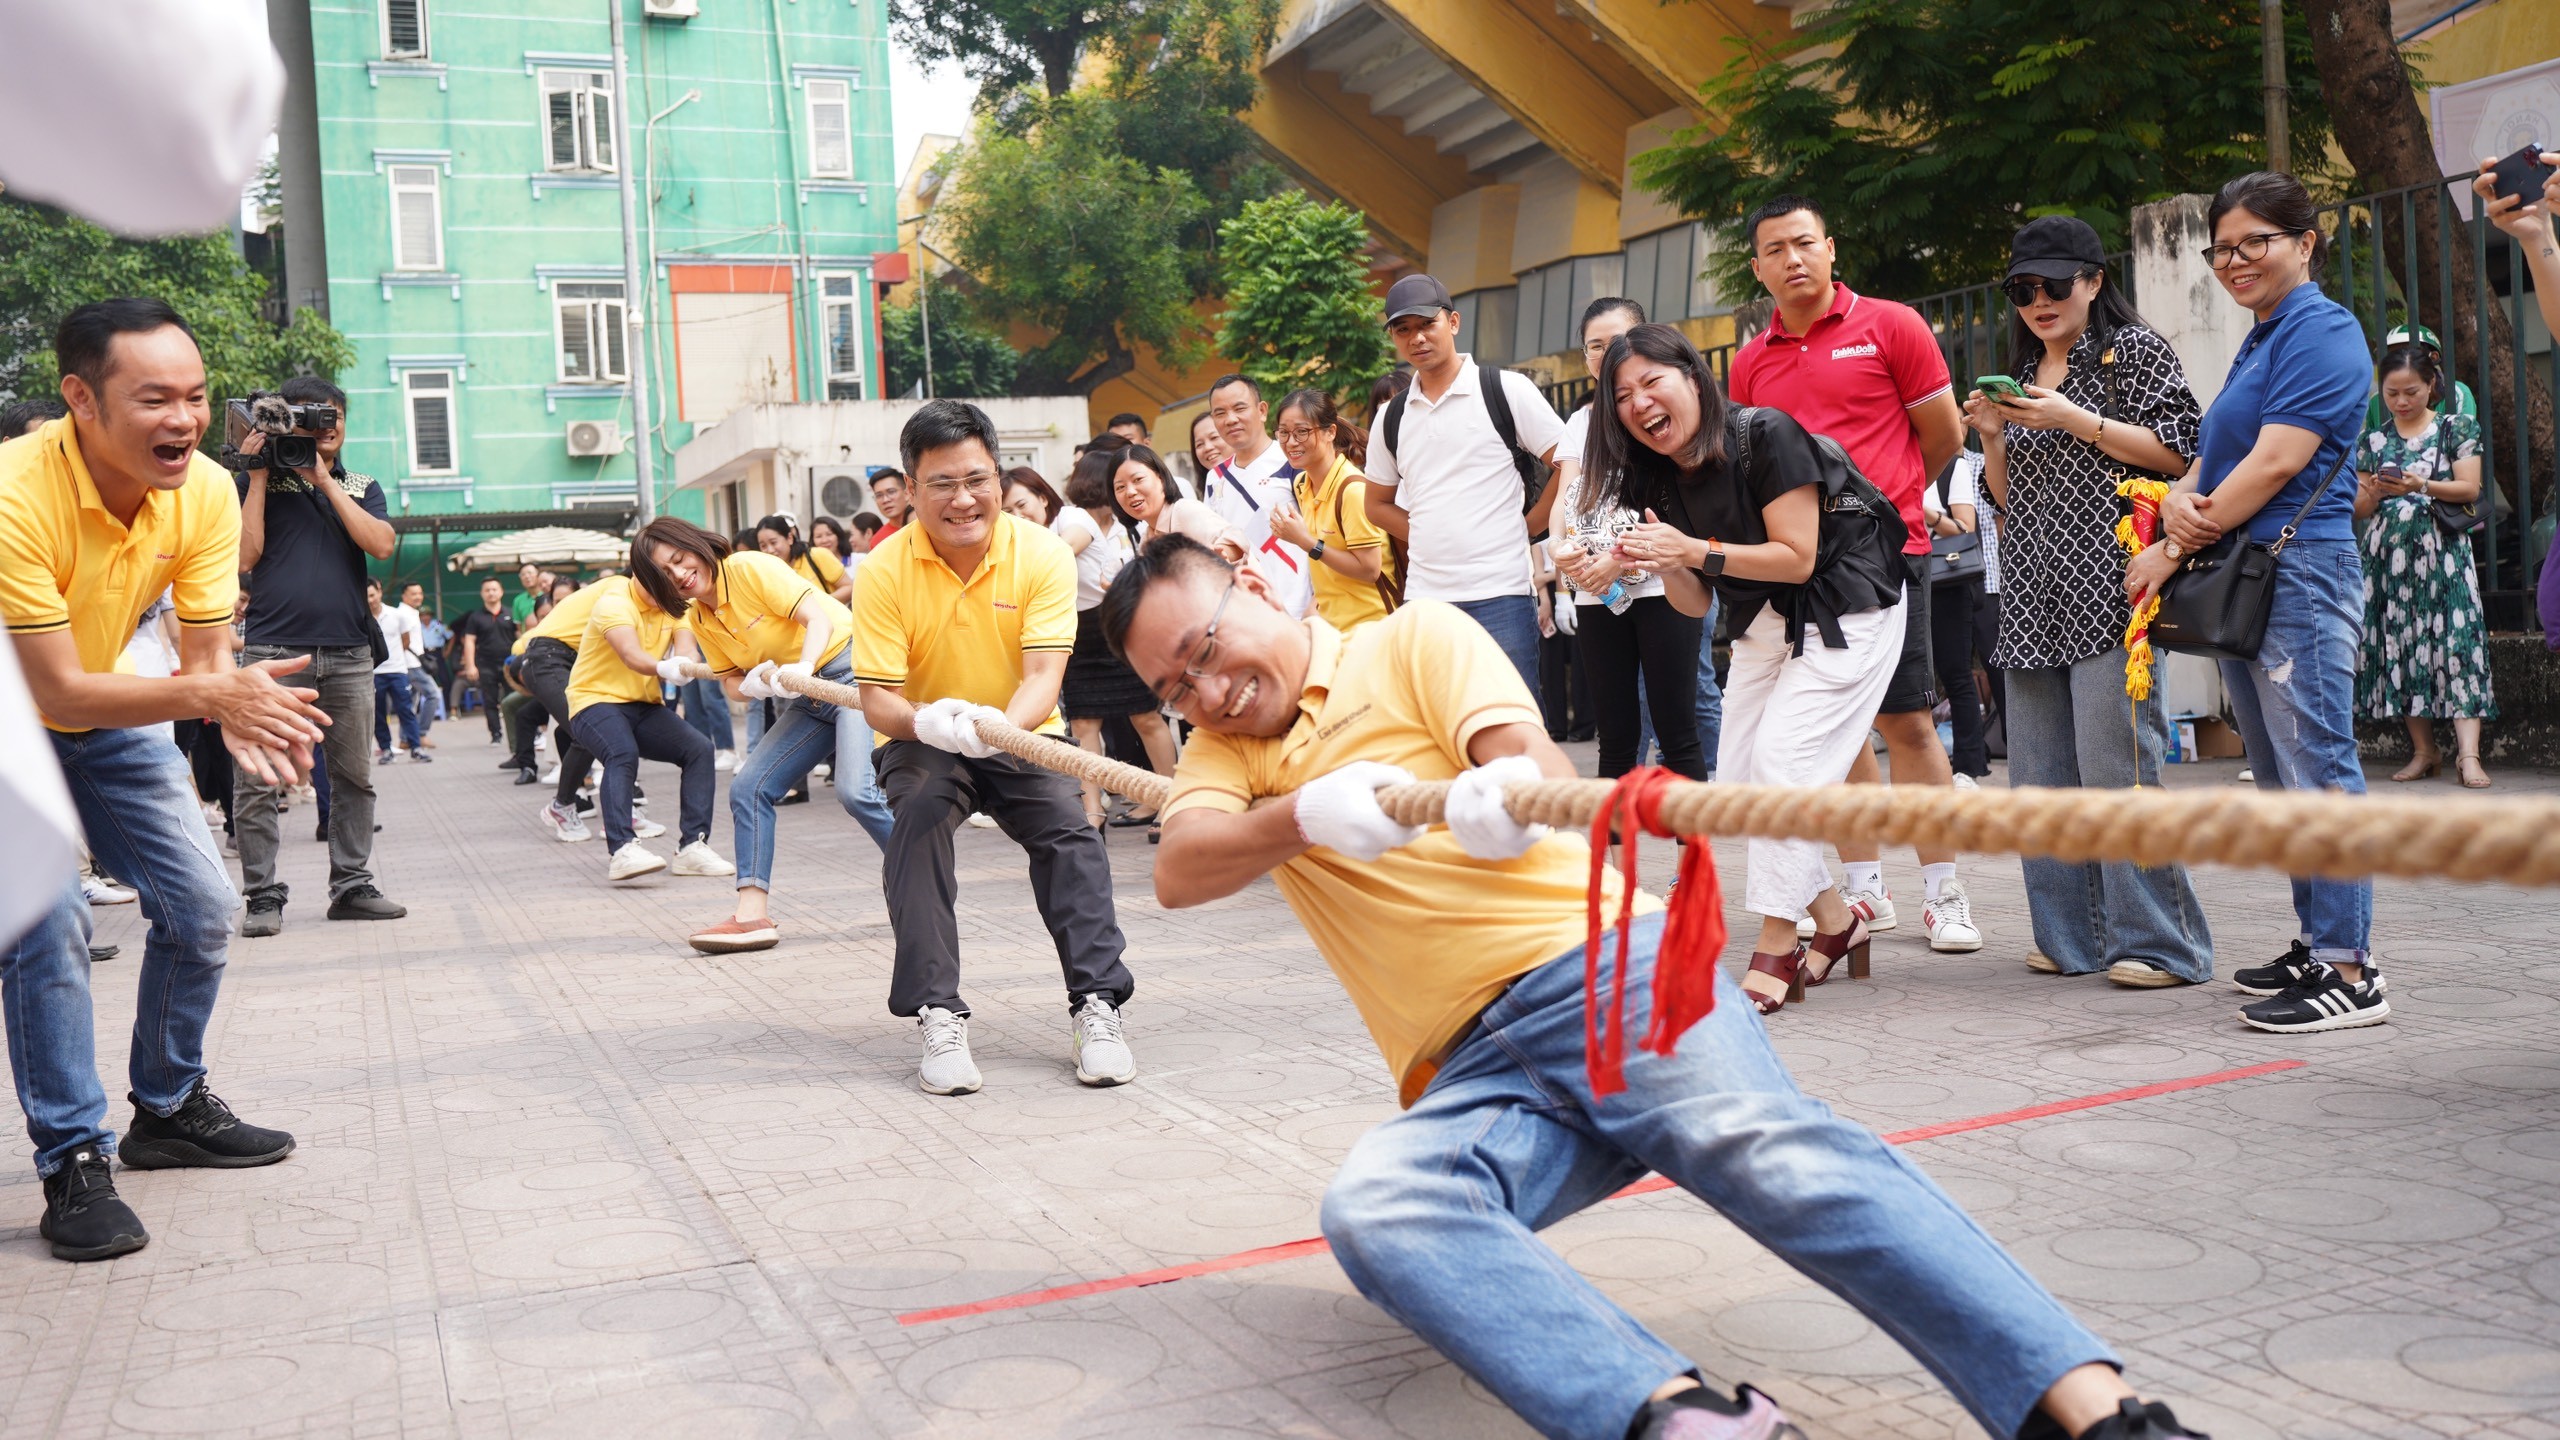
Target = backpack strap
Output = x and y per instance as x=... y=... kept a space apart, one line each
x=1498 y=406
x=1395 y=422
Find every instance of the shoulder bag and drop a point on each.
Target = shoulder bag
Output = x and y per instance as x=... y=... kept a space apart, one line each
x=1954 y=559
x=2456 y=519
x=2216 y=604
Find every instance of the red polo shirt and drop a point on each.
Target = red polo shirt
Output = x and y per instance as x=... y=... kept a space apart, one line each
x=1854 y=376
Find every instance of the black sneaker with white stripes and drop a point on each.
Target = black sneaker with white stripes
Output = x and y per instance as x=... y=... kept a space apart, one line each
x=2324 y=1001
x=2292 y=969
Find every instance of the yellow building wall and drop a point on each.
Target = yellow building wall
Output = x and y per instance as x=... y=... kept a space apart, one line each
x=1562 y=214
x=1471 y=238
x=2491 y=40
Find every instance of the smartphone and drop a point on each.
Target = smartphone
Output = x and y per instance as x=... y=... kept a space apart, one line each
x=2000 y=388
x=2522 y=175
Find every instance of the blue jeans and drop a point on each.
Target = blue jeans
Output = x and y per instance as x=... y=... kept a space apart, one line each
x=706 y=708
x=806 y=732
x=137 y=801
x=1512 y=621
x=2071 y=726
x=391 y=697
x=1710 y=698
x=2295 y=705
x=1433 y=1214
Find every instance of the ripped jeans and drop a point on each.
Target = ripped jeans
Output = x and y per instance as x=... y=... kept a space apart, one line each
x=2295 y=705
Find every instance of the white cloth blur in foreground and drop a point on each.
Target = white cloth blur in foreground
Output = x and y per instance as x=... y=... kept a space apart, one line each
x=146 y=116
x=35 y=809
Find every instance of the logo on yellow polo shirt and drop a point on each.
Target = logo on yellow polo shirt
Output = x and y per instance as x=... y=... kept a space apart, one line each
x=1345 y=723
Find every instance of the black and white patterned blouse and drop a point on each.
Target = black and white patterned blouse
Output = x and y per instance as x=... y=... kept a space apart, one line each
x=2061 y=570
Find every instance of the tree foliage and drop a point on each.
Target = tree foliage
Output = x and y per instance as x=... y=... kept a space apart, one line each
x=1299 y=307
x=56 y=262
x=968 y=361
x=1930 y=130
x=1008 y=44
x=1093 y=214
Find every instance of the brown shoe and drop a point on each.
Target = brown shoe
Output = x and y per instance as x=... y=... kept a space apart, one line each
x=733 y=936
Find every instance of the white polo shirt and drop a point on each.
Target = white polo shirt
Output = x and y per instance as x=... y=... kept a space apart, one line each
x=1461 y=497
x=1244 y=496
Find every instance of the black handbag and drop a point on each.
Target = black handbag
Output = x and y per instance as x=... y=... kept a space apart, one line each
x=2462 y=518
x=1954 y=559
x=2216 y=604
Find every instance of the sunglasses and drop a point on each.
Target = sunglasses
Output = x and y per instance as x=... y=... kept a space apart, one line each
x=2023 y=290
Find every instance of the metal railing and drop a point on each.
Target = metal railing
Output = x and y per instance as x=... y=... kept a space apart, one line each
x=1972 y=324
x=1572 y=393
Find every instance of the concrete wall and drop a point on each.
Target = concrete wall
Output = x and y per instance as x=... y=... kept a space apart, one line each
x=777 y=452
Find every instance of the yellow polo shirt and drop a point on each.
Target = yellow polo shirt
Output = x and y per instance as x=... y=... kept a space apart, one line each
x=600 y=674
x=820 y=568
x=748 y=618
x=1333 y=508
x=1425 y=936
x=567 y=622
x=67 y=564
x=918 y=625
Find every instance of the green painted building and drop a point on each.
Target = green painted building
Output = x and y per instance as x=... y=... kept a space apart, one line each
x=466 y=163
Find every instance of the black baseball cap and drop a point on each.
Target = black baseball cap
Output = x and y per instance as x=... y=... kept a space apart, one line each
x=1417 y=295
x=2056 y=247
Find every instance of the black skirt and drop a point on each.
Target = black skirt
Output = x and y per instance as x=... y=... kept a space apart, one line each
x=1099 y=684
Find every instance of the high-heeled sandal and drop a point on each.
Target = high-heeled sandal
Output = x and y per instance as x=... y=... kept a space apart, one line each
x=1788 y=968
x=1851 y=942
x=2473 y=760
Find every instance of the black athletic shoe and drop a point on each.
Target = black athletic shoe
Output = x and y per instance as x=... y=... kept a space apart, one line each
x=510 y=763
x=2274 y=979
x=84 y=1217
x=528 y=776
x=204 y=1133
x=266 y=917
x=99 y=953
x=2133 y=1420
x=320 y=832
x=2325 y=1001
x=365 y=903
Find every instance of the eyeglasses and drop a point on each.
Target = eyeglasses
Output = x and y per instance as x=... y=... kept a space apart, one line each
x=1296 y=434
x=980 y=485
x=2252 y=248
x=1203 y=655
x=2023 y=290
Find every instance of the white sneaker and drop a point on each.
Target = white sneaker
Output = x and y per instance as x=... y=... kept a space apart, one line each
x=213 y=815
x=1950 y=920
x=699 y=858
x=724 y=761
x=565 y=825
x=103 y=892
x=1102 y=1051
x=983 y=820
x=646 y=828
x=550 y=776
x=947 y=1068
x=821 y=772
x=1873 y=906
x=634 y=860
x=542 y=740
x=1966 y=782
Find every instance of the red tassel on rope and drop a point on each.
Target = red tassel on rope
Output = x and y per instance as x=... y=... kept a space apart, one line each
x=1684 y=966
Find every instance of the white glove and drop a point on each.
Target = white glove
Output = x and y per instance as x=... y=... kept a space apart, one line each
x=672 y=671
x=1340 y=811
x=972 y=744
x=1475 y=815
x=757 y=684
x=938 y=724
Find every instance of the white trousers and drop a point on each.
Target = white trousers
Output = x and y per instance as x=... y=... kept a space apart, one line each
x=1799 y=720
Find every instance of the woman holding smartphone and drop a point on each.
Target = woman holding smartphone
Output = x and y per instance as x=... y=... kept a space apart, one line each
x=2426 y=648
x=2288 y=414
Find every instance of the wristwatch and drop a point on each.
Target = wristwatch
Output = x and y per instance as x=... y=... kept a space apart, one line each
x=2176 y=550
x=1713 y=564
x=1316 y=551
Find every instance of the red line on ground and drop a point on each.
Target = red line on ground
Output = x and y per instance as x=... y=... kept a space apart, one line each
x=1294 y=1249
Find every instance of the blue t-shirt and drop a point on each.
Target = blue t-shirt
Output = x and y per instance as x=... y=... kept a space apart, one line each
x=2305 y=366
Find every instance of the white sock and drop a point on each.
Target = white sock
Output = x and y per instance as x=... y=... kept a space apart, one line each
x=1936 y=877
x=1866 y=877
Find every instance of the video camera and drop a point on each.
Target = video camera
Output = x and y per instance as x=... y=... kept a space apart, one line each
x=292 y=432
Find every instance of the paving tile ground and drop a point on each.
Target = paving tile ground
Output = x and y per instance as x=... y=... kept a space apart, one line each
x=559 y=1176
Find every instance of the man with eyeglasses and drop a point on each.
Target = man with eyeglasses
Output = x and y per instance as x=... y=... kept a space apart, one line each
x=1255 y=480
x=1869 y=374
x=968 y=612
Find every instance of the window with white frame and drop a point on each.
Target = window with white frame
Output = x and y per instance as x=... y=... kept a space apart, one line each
x=417 y=219
x=431 y=438
x=840 y=313
x=830 y=128
x=577 y=120
x=590 y=321
x=404 y=29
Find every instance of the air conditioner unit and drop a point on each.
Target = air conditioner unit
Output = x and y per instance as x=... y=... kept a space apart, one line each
x=670 y=9
x=843 y=490
x=595 y=437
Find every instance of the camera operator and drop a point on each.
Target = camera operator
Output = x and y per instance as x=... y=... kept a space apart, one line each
x=304 y=536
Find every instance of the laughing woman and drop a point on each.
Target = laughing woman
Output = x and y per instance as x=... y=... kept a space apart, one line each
x=757 y=620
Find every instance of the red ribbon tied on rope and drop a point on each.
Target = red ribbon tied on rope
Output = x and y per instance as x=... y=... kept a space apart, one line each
x=1684 y=964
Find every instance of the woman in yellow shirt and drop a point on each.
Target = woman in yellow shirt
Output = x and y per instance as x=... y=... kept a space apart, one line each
x=631 y=650
x=778 y=537
x=1355 y=580
x=758 y=619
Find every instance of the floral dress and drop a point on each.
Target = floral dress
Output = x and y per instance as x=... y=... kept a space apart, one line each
x=2426 y=651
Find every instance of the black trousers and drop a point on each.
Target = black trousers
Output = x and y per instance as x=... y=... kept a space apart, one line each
x=210 y=760
x=1564 y=688
x=547 y=663
x=1951 y=608
x=1652 y=638
x=1986 y=642
x=622 y=734
x=930 y=792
